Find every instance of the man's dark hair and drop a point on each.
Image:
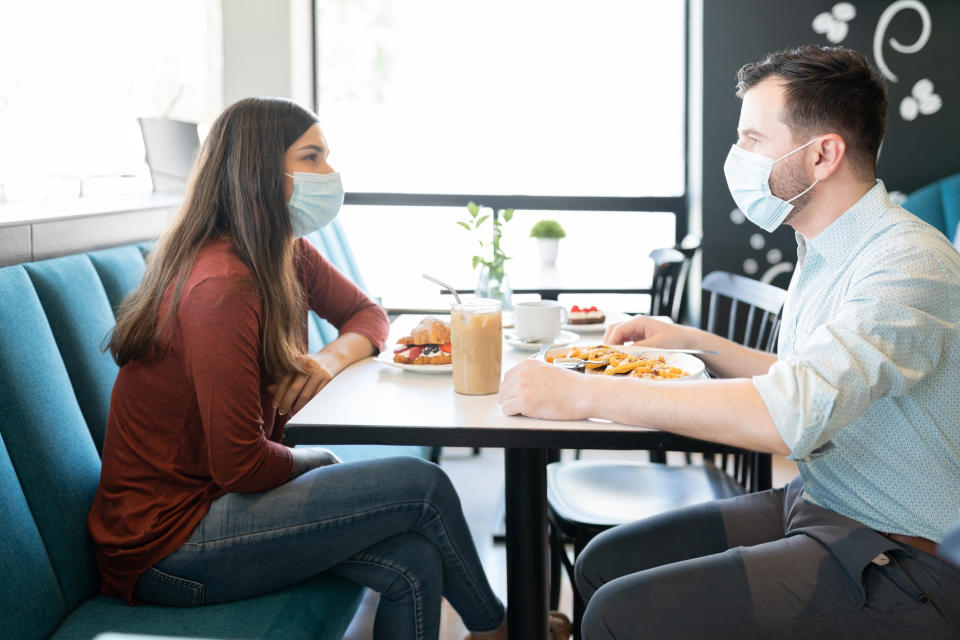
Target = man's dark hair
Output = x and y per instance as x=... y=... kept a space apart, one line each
x=828 y=90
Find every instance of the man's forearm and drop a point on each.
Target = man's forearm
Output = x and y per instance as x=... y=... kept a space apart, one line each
x=732 y=360
x=730 y=412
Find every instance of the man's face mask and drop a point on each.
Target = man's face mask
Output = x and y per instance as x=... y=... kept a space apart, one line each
x=748 y=178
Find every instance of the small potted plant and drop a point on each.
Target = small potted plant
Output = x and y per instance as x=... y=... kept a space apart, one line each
x=548 y=234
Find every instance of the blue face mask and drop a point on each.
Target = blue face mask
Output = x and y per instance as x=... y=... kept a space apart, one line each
x=748 y=178
x=315 y=202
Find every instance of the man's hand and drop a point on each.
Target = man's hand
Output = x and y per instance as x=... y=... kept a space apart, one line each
x=539 y=390
x=291 y=393
x=649 y=333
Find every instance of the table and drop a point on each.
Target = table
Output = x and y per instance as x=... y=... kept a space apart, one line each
x=371 y=403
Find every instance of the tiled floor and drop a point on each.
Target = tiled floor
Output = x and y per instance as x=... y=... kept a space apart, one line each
x=479 y=480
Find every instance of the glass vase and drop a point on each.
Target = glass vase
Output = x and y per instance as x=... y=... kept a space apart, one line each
x=495 y=285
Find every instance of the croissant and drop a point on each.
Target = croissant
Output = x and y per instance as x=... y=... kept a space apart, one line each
x=429 y=331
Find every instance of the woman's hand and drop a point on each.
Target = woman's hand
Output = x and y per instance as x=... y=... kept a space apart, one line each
x=293 y=392
x=649 y=333
x=539 y=390
x=307 y=458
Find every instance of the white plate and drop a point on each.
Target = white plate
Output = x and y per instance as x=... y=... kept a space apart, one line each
x=386 y=357
x=598 y=327
x=565 y=338
x=691 y=364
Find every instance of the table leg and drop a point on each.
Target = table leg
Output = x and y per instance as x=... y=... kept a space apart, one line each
x=526 y=495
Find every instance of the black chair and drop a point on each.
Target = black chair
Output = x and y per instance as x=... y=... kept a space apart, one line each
x=689 y=247
x=588 y=497
x=670 y=269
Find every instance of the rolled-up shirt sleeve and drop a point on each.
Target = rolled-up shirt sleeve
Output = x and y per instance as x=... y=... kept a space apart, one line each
x=891 y=332
x=336 y=299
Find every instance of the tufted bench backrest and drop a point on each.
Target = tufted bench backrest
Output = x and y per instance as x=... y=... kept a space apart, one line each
x=52 y=453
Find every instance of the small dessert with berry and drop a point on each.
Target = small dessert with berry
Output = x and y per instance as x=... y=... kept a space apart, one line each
x=586 y=315
x=428 y=343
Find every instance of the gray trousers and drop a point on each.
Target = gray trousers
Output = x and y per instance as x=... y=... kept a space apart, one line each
x=763 y=565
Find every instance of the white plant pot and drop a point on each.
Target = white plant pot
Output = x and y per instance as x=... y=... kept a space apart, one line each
x=548 y=248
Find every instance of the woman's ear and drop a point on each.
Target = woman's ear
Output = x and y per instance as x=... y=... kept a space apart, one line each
x=831 y=150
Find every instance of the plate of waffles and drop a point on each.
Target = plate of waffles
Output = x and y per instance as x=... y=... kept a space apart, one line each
x=629 y=360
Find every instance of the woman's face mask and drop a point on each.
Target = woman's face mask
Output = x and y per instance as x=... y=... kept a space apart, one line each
x=748 y=178
x=315 y=202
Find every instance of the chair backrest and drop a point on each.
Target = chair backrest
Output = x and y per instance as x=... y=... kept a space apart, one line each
x=744 y=310
x=938 y=204
x=670 y=268
x=689 y=245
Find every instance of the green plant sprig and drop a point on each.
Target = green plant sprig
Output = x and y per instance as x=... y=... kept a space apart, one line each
x=473 y=224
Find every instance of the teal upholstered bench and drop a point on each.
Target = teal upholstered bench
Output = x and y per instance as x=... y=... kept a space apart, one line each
x=938 y=204
x=55 y=385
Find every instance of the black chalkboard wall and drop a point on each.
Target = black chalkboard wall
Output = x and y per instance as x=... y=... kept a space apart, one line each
x=916 y=44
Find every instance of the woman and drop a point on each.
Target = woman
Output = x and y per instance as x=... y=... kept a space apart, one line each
x=199 y=501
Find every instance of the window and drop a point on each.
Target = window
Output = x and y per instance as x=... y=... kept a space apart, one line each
x=77 y=75
x=552 y=97
x=566 y=103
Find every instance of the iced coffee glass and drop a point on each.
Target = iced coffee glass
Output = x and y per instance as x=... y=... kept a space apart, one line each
x=477 y=336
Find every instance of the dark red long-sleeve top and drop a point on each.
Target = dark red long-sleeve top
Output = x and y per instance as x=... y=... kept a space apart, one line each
x=196 y=421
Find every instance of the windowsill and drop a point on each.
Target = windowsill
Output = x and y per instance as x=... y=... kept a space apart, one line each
x=37 y=211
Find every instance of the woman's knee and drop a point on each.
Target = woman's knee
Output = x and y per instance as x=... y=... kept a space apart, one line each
x=421 y=475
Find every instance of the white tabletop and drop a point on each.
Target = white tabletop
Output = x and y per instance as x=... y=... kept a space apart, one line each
x=371 y=397
x=372 y=393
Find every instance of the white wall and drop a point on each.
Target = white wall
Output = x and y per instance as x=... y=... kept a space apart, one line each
x=266 y=50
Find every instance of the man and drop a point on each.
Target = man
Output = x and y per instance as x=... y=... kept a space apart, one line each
x=864 y=395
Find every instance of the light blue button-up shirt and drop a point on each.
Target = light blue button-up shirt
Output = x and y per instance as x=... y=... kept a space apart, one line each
x=866 y=388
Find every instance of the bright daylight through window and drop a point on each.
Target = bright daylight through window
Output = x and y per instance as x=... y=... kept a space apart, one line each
x=540 y=98
x=76 y=76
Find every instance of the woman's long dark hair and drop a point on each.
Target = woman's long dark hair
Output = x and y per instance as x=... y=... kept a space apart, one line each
x=235 y=191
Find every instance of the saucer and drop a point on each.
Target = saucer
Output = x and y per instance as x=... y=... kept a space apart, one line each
x=565 y=338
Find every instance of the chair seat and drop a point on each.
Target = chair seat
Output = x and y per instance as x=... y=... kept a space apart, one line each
x=604 y=494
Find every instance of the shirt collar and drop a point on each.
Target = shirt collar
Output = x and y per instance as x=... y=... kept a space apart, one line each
x=839 y=240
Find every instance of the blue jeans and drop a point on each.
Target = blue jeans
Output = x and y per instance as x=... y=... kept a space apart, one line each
x=394 y=525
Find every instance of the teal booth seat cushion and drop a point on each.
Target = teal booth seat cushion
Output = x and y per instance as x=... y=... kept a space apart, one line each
x=120 y=269
x=938 y=204
x=81 y=318
x=32 y=604
x=46 y=436
x=317 y=609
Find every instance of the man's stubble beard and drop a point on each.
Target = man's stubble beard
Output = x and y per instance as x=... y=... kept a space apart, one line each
x=788 y=183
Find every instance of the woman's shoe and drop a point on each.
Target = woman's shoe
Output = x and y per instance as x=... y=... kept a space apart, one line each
x=560 y=627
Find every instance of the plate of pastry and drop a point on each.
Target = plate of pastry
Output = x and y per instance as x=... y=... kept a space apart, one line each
x=591 y=319
x=426 y=350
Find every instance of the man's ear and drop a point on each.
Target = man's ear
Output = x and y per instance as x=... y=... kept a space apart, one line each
x=831 y=151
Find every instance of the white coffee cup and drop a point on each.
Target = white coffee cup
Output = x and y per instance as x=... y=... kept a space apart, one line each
x=538 y=320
